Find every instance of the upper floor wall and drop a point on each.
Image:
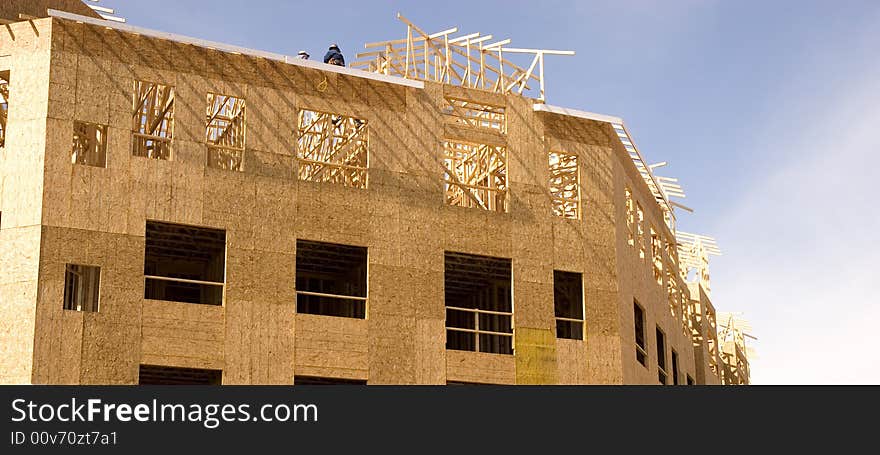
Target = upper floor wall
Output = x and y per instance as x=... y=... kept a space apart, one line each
x=11 y=10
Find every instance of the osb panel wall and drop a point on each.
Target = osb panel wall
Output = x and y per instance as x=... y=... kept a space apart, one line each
x=90 y=347
x=183 y=335
x=263 y=210
x=636 y=281
x=401 y=218
x=332 y=347
x=587 y=246
x=26 y=45
x=481 y=368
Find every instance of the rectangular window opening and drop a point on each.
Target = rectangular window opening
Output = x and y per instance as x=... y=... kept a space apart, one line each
x=630 y=218
x=672 y=294
x=332 y=148
x=82 y=286
x=479 y=305
x=4 y=105
x=568 y=300
x=657 y=256
x=687 y=312
x=675 y=380
x=475 y=115
x=639 y=324
x=153 y=120
x=661 y=356
x=184 y=263
x=225 y=132
x=476 y=175
x=565 y=192
x=640 y=230
x=89 y=144
x=165 y=375
x=712 y=339
x=316 y=380
x=331 y=279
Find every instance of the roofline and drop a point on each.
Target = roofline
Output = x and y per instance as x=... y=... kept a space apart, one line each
x=538 y=107
x=236 y=49
x=576 y=113
x=615 y=122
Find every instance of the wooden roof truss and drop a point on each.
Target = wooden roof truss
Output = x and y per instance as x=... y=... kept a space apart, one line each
x=104 y=12
x=693 y=254
x=662 y=188
x=471 y=60
x=734 y=330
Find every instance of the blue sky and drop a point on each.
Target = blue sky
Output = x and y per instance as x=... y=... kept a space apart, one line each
x=768 y=113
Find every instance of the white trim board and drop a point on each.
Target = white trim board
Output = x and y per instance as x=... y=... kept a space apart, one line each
x=576 y=113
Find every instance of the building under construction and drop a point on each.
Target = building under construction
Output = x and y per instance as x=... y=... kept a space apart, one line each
x=178 y=211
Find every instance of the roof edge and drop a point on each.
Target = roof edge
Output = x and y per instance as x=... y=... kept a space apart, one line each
x=576 y=113
x=236 y=49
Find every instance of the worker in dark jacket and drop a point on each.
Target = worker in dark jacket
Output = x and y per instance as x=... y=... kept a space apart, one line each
x=334 y=56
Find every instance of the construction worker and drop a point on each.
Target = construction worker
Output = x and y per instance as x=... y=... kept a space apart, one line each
x=303 y=55
x=334 y=56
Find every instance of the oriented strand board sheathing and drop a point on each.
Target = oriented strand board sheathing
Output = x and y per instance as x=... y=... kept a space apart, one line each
x=480 y=368
x=535 y=356
x=54 y=213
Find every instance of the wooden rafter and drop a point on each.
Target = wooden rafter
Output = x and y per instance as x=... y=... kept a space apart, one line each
x=693 y=253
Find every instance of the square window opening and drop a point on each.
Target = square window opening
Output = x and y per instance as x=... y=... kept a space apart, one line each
x=475 y=175
x=332 y=148
x=479 y=308
x=184 y=263
x=89 y=144
x=331 y=279
x=82 y=285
